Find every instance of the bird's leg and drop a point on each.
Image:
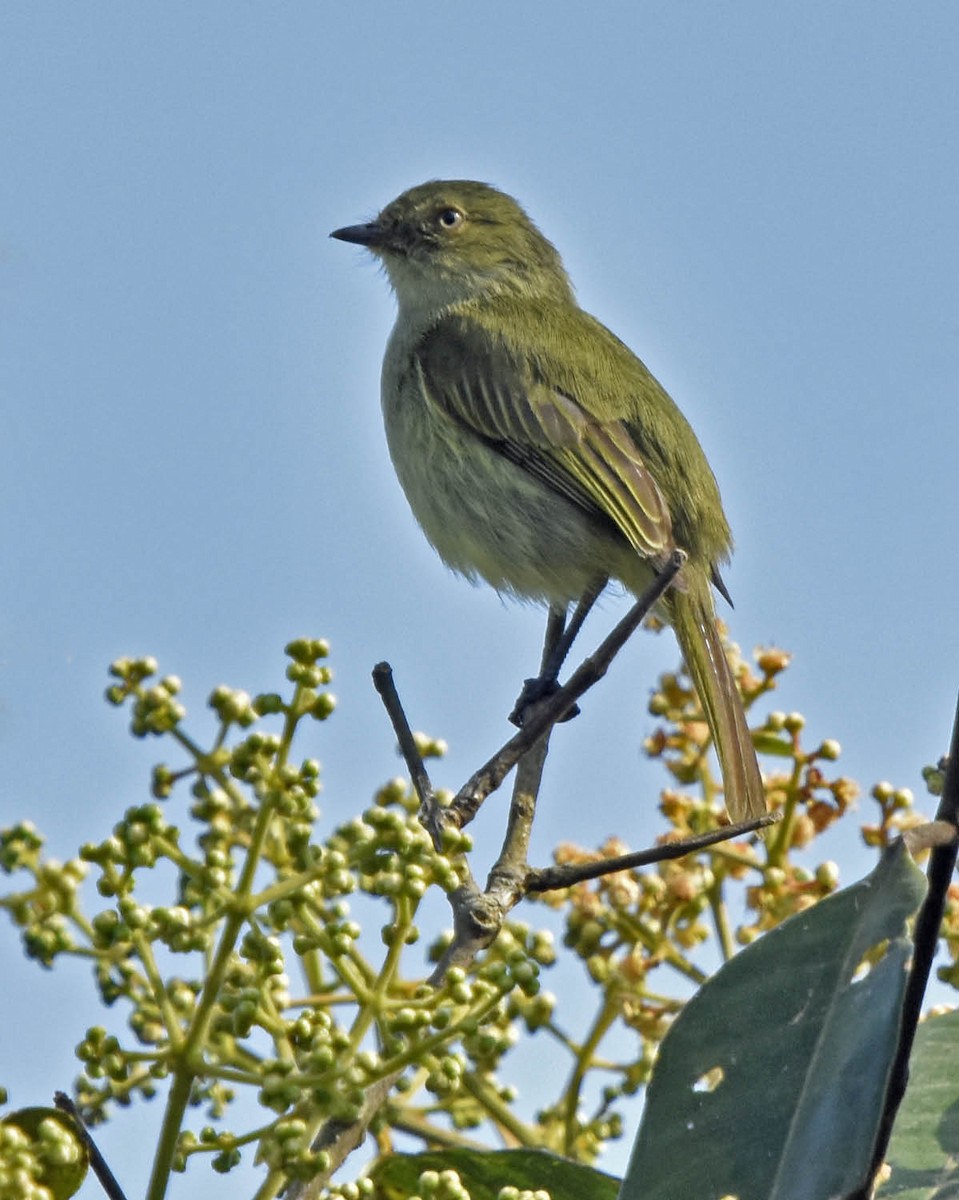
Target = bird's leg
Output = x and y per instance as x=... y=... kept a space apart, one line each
x=556 y=646
x=554 y=657
x=555 y=628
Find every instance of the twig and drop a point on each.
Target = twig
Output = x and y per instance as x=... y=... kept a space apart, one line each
x=98 y=1163
x=468 y=800
x=478 y=916
x=547 y=879
x=477 y=919
x=942 y=863
x=431 y=815
x=508 y=874
x=383 y=682
x=408 y=1120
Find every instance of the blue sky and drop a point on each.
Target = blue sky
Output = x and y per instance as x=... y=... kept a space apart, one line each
x=760 y=199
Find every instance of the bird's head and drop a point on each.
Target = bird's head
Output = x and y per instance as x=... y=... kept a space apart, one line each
x=448 y=241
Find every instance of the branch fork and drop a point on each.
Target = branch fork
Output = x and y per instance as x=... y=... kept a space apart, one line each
x=479 y=913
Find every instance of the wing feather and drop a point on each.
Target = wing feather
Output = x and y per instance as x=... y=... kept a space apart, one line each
x=593 y=463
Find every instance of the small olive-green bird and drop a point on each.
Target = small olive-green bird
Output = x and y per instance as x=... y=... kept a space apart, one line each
x=536 y=450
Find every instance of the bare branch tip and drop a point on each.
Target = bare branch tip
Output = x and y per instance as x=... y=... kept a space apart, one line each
x=929 y=835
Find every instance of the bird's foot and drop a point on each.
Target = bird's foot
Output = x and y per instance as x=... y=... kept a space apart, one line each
x=534 y=690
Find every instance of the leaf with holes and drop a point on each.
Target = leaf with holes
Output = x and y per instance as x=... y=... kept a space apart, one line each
x=770 y=1084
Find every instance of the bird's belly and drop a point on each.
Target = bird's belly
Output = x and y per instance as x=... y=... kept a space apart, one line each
x=488 y=518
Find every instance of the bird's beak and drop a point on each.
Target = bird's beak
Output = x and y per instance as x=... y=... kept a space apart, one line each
x=372 y=234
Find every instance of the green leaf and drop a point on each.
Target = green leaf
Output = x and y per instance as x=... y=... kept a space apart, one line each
x=484 y=1172
x=801 y=1043
x=924 y=1151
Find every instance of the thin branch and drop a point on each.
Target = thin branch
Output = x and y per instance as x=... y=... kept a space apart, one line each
x=508 y=874
x=339 y=1139
x=409 y=1120
x=559 y=641
x=98 y=1164
x=942 y=863
x=431 y=815
x=383 y=682
x=479 y=916
x=547 y=879
x=477 y=919
x=488 y=778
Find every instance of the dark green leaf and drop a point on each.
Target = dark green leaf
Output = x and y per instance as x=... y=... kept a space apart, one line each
x=924 y=1152
x=801 y=1041
x=483 y=1173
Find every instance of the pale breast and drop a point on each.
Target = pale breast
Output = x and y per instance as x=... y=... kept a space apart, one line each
x=485 y=516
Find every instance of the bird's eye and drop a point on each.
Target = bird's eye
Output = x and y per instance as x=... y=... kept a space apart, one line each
x=450 y=218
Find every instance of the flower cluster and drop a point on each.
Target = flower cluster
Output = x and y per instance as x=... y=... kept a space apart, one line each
x=254 y=954
x=256 y=898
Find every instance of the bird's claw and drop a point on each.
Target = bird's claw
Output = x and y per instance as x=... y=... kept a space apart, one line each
x=533 y=691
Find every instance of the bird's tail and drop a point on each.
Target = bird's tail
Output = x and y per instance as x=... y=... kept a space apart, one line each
x=693 y=619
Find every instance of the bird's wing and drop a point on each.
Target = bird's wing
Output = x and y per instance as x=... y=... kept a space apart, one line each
x=475 y=379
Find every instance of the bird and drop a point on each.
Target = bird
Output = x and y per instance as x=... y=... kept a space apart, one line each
x=536 y=450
